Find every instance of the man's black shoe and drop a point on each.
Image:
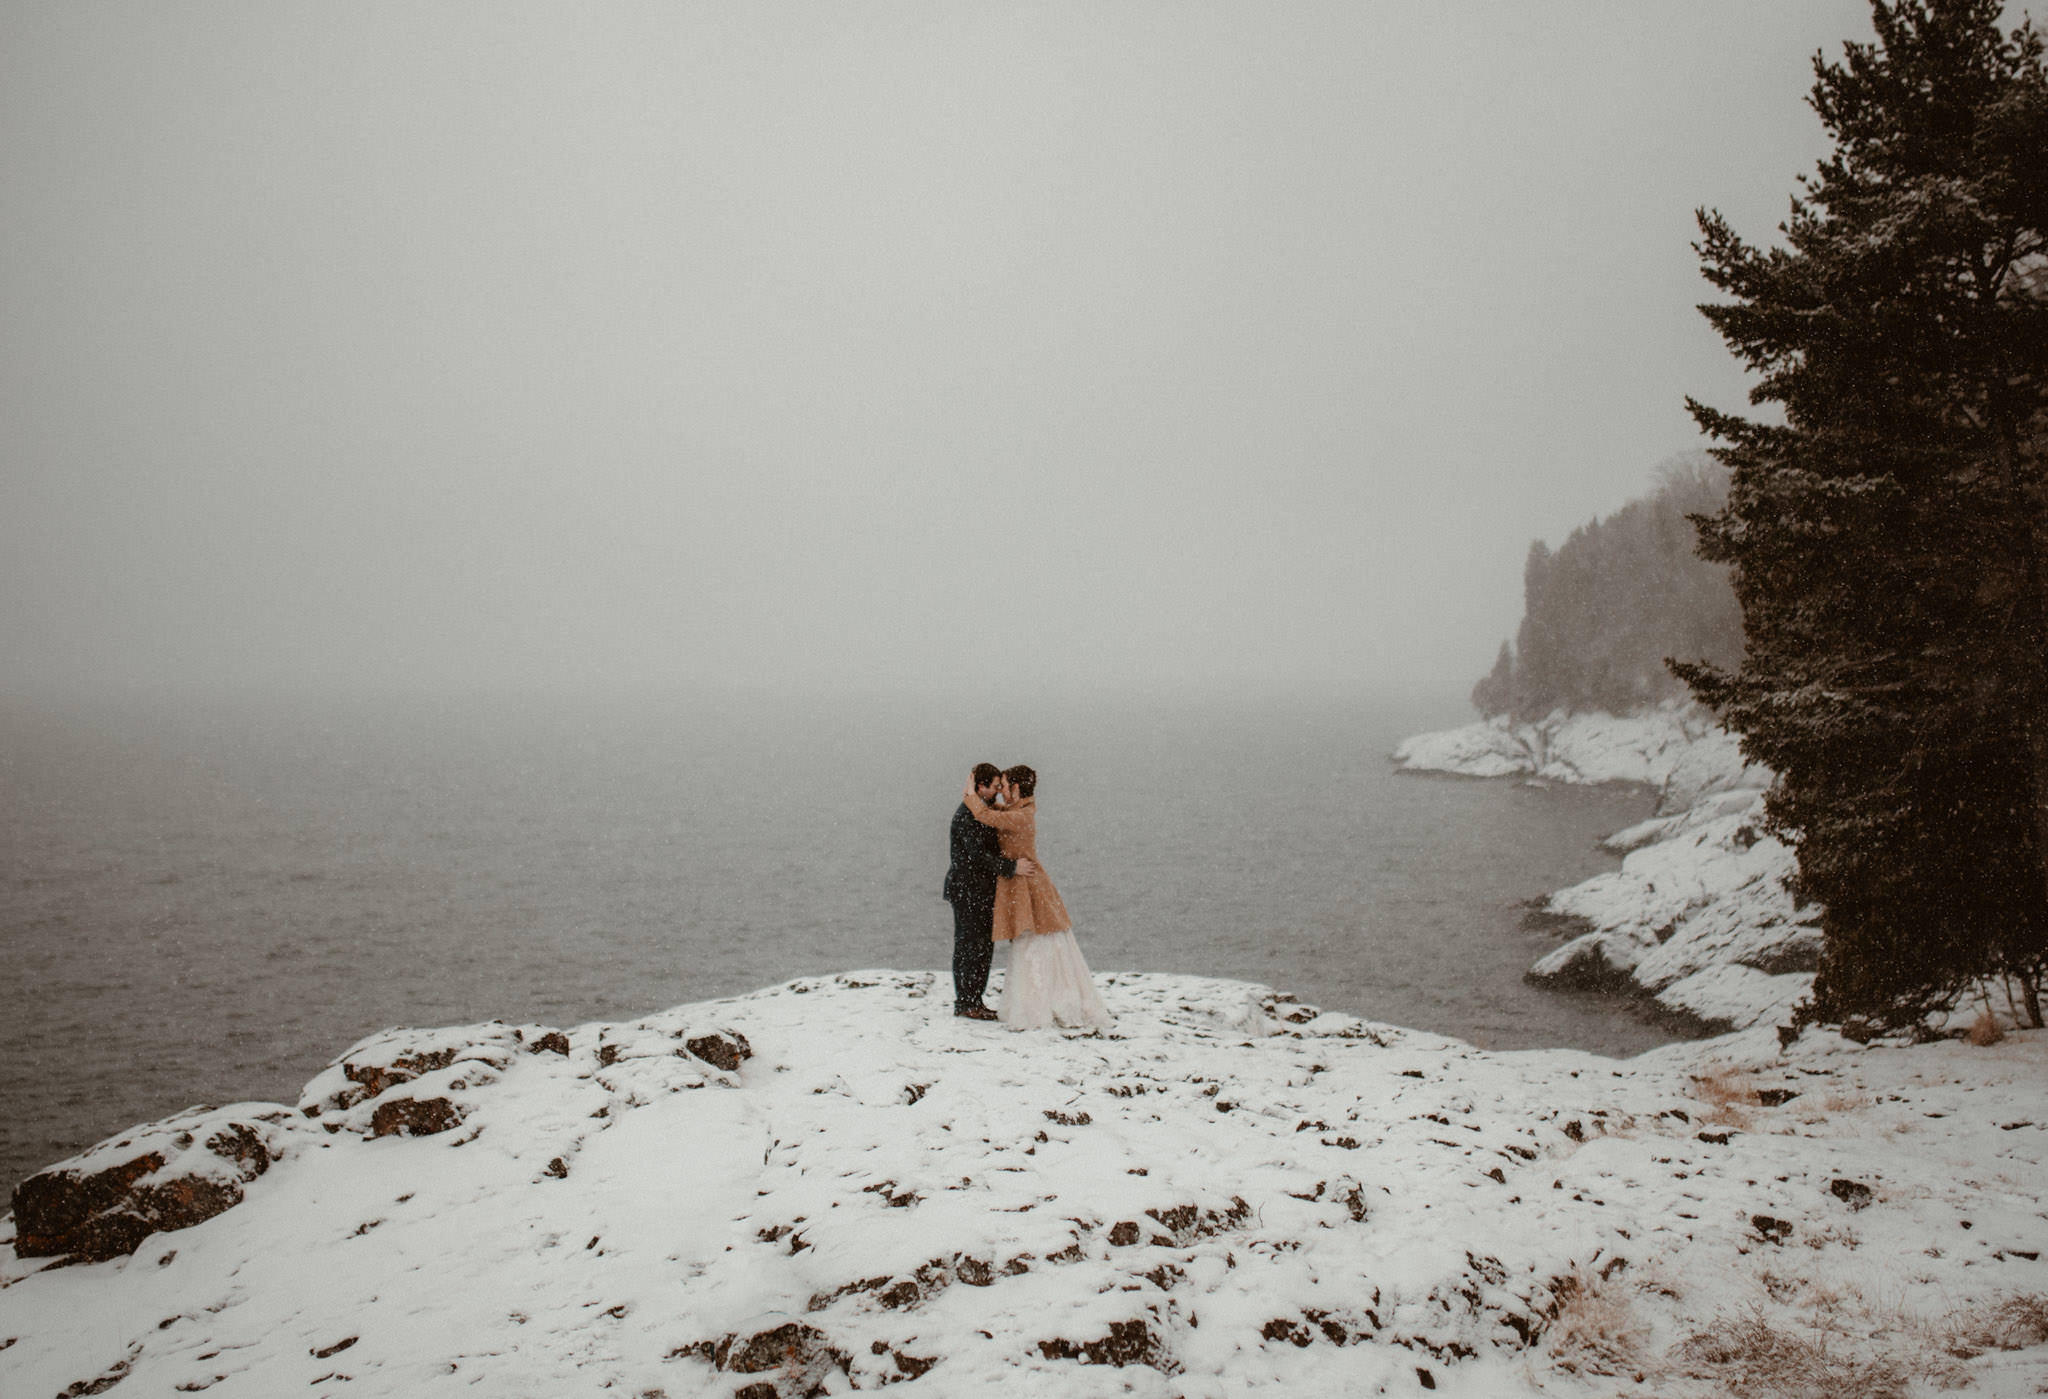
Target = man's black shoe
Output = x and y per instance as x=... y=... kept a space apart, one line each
x=974 y=1012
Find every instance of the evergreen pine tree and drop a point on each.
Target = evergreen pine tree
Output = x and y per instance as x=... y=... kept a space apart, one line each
x=1601 y=614
x=1889 y=538
x=1496 y=693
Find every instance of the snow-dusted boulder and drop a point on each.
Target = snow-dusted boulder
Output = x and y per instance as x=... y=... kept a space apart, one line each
x=423 y=1082
x=1489 y=749
x=1731 y=993
x=416 y=1082
x=173 y=1174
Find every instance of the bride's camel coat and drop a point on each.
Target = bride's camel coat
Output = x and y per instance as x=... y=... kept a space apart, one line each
x=1024 y=904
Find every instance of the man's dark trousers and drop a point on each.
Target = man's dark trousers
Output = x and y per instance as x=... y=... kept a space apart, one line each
x=970 y=887
x=973 y=949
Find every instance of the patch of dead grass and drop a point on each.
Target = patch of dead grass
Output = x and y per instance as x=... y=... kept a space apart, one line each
x=1811 y=1112
x=1594 y=1329
x=1839 y=1341
x=2010 y=1323
x=1748 y=1356
x=1822 y=1235
x=1843 y=1101
x=1727 y=1093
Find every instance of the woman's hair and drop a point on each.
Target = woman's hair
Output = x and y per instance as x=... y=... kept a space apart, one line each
x=1024 y=777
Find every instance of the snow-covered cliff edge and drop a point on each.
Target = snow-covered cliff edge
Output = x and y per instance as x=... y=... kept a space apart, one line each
x=1700 y=915
x=838 y=1186
x=834 y=1186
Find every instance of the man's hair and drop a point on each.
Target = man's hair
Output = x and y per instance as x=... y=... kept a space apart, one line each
x=1025 y=778
x=985 y=773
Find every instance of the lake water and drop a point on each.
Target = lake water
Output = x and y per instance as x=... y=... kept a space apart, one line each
x=205 y=902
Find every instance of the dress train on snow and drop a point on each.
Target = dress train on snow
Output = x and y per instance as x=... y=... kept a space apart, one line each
x=1048 y=984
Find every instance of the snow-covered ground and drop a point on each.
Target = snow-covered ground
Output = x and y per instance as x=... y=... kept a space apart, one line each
x=834 y=1185
x=1699 y=915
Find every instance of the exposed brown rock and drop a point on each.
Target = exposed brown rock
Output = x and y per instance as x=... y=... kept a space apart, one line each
x=1771 y=1230
x=104 y=1202
x=416 y=1117
x=1128 y=1343
x=388 y=1059
x=100 y=1385
x=725 y=1052
x=58 y=1212
x=912 y=1365
x=1188 y=1222
x=794 y=1349
x=375 y=1078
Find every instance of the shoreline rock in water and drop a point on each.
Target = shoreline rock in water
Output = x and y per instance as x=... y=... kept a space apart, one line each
x=834 y=1185
x=1700 y=917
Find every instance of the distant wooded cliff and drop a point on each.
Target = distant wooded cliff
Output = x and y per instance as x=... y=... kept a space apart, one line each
x=1601 y=613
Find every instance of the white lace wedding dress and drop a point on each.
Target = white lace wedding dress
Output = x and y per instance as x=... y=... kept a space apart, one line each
x=1048 y=984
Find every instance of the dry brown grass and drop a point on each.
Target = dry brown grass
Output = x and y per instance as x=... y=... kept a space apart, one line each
x=2011 y=1323
x=1728 y=1093
x=1750 y=1357
x=1802 y=1338
x=1821 y=1236
x=1985 y=1029
x=1834 y=1297
x=1656 y=1278
x=1595 y=1329
x=1840 y=1341
x=1811 y=1112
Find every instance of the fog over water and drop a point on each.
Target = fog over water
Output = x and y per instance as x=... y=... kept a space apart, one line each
x=416 y=419
x=1142 y=346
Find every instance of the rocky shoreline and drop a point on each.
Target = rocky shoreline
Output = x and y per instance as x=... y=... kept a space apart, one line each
x=834 y=1185
x=1701 y=917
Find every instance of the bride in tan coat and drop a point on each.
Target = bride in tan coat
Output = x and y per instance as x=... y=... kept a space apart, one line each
x=1048 y=981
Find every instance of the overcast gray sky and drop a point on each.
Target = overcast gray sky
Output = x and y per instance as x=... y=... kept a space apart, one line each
x=1117 y=345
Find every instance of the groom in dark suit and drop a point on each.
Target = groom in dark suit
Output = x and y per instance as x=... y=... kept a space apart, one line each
x=971 y=888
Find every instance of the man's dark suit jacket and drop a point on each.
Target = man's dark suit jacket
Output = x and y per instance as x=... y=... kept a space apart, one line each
x=977 y=863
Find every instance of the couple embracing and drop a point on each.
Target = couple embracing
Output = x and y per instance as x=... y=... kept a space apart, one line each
x=1000 y=893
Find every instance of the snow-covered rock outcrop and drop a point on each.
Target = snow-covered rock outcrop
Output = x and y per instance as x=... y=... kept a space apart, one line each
x=1700 y=915
x=836 y=1186
x=1675 y=747
x=173 y=1174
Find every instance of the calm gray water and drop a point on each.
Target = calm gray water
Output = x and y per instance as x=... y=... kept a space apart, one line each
x=207 y=902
